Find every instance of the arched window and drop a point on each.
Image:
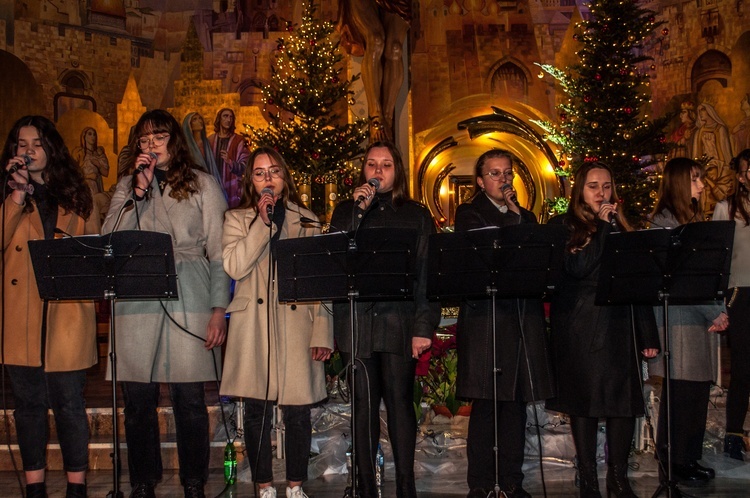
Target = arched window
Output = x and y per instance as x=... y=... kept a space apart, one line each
x=712 y=65
x=509 y=80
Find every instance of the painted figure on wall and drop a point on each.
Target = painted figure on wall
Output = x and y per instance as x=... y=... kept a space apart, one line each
x=741 y=132
x=712 y=140
x=682 y=137
x=376 y=31
x=92 y=159
x=194 y=128
x=230 y=153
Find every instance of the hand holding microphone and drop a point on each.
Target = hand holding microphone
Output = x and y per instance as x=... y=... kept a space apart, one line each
x=144 y=172
x=510 y=195
x=364 y=193
x=608 y=213
x=266 y=204
x=18 y=162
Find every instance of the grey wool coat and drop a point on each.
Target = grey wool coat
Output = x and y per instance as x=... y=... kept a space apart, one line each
x=295 y=379
x=694 y=350
x=150 y=347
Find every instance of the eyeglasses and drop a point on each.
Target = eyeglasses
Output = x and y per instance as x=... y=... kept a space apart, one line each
x=154 y=140
x=259 y=174
x=495 y=175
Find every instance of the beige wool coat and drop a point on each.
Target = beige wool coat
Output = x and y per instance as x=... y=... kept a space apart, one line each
x=70 y=342
x=295 y=379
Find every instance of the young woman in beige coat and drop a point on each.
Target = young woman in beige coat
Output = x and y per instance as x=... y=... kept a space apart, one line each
x=275 y=352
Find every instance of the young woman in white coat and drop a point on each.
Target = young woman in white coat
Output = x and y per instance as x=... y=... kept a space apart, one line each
x=275 y=352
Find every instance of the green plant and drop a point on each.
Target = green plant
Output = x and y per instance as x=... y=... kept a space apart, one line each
x=437 y=372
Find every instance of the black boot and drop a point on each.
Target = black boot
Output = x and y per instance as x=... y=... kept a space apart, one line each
x=36 y=490
x=618 y=483
x=734 y=445
x=194 y=488
x=588 y=481
x=75 y=490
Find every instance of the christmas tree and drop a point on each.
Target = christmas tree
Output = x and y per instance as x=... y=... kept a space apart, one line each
x=604 y=116
x=307 y=100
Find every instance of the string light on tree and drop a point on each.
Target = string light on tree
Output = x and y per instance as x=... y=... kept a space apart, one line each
x=613 y=127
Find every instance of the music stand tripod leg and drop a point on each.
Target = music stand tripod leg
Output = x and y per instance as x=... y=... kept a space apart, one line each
x=115 y=492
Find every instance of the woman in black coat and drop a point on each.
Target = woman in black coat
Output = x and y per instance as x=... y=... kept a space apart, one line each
x=517 y=354
x=390 y=334
x=597 y=367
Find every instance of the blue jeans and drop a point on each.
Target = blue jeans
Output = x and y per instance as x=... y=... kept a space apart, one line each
x=142 y=430
x=35 y=392
x=298 y=436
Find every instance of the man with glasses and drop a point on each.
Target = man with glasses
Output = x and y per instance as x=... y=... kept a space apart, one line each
x=521 y=350
x=231 y=155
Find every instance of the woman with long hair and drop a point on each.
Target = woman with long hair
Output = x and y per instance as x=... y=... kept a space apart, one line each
x=48 y=345
x=596 y=363
x=194 y=128
x=172 y=341
x=92 y=159
x=390 y=334
x=275 y=351
x=521 y=345
x=694 y=346
x=737 y=208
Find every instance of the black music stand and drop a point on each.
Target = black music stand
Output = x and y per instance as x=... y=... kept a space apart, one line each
x=374 y=264
x=130 y=264
x=471 y=265
x=685 y=265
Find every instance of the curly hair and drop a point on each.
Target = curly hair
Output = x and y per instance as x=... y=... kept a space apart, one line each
x=63 y=177
x=181 y=175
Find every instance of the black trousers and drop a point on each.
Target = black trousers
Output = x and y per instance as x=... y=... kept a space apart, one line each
x=689 y=410
x=389 y=377
x=739 y=350
x=511 y=427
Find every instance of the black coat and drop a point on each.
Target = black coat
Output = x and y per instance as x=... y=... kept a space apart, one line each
x=597 y=366
x=474 y=332
x=388 y=326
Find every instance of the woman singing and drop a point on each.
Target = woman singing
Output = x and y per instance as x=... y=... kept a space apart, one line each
x=521 y=346
x=694 y=346
x=390 y=334
x=597 y=365
x=49 y=344
x=171 y=341
x=275 y=352
x=737 y=208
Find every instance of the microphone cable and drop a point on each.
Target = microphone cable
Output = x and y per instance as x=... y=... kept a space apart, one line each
x=6 y=422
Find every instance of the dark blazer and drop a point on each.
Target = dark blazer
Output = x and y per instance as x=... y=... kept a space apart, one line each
x=388 y=326
x=597 y=366
x=515 y=357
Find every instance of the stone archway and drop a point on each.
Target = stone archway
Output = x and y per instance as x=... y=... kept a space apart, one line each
x=22 y=95
x=445 y=163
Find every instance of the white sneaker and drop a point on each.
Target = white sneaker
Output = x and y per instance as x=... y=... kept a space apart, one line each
x=268 y=492
x=295 y=492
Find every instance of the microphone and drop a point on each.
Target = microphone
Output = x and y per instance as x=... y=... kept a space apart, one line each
x=124 y=207
x=16 y=167
x=374 y=183
x=612 y=216
x=507 y=190
x=269 y=208
x=141 y=167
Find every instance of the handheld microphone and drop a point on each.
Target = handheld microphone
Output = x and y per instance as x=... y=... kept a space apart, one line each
x=16 y=167
x=374 y=183
x=141 y=167
x=612 y=216
x=509 y=194
x=269 y=208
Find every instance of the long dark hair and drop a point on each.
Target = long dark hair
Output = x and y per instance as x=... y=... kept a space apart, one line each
x=63 y=177
x=250 y=197
x=217 y=120
x=739 y=200
x=181 y=175
x=400 y=180
x=582 y=220
x=675 y=190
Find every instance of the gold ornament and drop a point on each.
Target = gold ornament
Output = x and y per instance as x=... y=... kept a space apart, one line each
x=594 y=125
